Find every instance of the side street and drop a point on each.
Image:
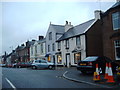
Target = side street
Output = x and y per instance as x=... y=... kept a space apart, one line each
x=82 y=56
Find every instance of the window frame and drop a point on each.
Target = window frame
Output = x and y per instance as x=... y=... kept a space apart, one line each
x=59 y=45
x=76 y=57
x=58 y=59
x=67 y=43
x=78 y=39
x=50 y=35
x=48 y=48
x=116 y=45
x=53 y=47
x=41 y=47
x=114 y=18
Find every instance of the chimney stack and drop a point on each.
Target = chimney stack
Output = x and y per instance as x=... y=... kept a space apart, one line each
x=41 y=37
x=97 y=14
x=68 y=26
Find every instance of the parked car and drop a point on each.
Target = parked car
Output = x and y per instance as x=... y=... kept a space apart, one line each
x=42 y=64
x=2 y=65
x=9 y=65
x=28 y=64
x=89 y=64
x=22 y=65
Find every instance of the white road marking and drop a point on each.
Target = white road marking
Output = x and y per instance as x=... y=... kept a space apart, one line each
x=11 y=84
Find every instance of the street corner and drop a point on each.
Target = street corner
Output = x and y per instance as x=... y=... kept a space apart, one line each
x=77 y=76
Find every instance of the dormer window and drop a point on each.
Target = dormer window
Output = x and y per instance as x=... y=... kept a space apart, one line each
x=50 y=36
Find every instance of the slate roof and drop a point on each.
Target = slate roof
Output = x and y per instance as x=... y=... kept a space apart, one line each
x=30 y=43
x=117 y=4
x=59 y=28
x=40 y=41
x=77 y=30
x=20 y=48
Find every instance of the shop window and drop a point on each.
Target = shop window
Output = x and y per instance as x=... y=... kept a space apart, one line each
x=77 y=57
x=117 y=49
x=59 y=59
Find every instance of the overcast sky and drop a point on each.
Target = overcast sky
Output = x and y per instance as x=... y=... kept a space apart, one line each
x=22 y=21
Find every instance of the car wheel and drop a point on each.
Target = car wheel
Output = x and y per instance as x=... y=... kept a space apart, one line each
x=50 y=67
x=34 y=67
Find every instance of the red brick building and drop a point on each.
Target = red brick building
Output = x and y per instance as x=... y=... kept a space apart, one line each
x=111 y=32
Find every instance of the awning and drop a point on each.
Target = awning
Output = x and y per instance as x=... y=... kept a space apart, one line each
x=76 y=51
x=58 y=53
x=47 y=55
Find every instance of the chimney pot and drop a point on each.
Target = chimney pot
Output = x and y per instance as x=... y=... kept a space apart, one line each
x=69 y=23
x=66 y=22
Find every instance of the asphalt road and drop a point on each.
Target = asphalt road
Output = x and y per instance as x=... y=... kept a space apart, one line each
x=28 y=78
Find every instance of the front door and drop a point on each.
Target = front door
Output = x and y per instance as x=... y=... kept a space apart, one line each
x=67 y=60
x=54 y=59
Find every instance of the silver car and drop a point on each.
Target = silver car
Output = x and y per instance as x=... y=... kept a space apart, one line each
x=42 y=64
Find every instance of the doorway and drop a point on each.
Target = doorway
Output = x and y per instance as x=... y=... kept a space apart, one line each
x=68 y=61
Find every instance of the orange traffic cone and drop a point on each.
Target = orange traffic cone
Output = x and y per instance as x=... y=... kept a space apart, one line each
x=106 y=71
x=96 y=74
x=110 y=75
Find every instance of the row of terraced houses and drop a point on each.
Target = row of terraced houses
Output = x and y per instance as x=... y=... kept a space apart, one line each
x=66 y=44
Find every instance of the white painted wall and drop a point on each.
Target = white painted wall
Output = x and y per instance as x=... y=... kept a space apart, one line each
x=39 y=54
x=72 y=46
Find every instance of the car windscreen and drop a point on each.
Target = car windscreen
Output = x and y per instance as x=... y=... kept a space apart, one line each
x=90 y=59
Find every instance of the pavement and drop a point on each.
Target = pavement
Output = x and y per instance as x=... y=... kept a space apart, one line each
x=73 y=74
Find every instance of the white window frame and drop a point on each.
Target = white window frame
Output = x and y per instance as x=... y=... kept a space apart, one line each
x=116 y=45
